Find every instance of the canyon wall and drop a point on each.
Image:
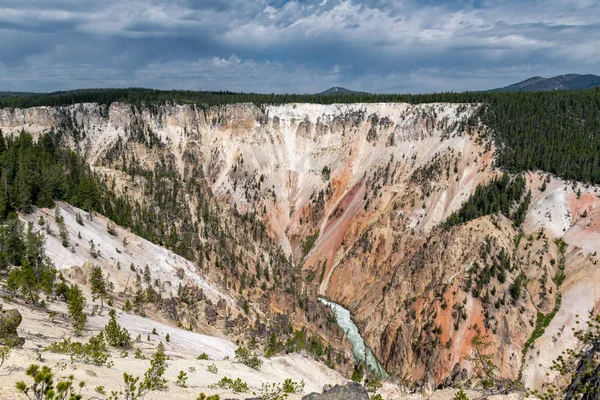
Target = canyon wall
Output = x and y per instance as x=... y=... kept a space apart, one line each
x=356 y=194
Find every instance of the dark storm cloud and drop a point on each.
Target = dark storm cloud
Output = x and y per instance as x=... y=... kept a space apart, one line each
x=294 y=46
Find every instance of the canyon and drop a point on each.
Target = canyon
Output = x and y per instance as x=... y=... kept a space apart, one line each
x=354 y=197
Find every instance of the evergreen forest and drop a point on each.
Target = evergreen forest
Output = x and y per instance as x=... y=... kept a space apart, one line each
x=557 y=132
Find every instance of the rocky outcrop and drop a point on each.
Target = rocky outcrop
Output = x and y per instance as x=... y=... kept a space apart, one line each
x=351 y=391
x=210 y=313
x=9 y=322
x=458 y=375
x=169 y=308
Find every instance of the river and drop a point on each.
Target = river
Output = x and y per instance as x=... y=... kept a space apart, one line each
x=344 y=320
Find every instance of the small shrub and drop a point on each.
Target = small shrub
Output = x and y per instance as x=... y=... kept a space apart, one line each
x=275 y=391
x=43 y=387
x=373 y=385
x=181 y=379
x=248 y=358
x=202 y=396
x=93 y=352
x=203 y=356
x=212 y=368
x=274 y=346
x=357 y=374
x=127 y=307
x=138 y=354
x=134 y=389
x=237 y=385
x=289 y=386
x=4 y=352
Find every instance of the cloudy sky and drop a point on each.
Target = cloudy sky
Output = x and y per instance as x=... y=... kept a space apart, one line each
x=300 y=46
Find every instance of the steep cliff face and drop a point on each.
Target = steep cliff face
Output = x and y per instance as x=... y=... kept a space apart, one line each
x=355 y=194
x=281 y=157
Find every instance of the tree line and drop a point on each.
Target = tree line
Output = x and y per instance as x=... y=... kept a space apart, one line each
x=557 y=132
x=500 y=195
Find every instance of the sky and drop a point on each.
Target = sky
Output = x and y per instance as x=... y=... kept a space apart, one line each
x=298 y=46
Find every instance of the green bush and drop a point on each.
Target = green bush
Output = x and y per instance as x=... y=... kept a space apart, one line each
x=181 y=379
x=43 y=387
x=289 y=386
x=93 y=352
x=4 y=352
x=309 y=243
x=372 y=385
x=202 y=396
x=138 y=354
x=274 y=346
x=248 y=358
x=212 y=368
x=276 y=391
x=116 y=335
x=237 y=385
x=134 y=389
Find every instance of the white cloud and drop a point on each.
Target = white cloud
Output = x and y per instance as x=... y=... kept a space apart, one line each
x=296 y=46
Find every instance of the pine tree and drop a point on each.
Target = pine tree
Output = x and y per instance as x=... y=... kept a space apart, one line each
x=98 y=284
x=23 y=281
x=154 y=376
x=76 y=304
x=116 y=335
x=138 y=302
x=147 y=276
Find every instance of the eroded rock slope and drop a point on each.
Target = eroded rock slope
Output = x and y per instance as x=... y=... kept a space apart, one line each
x=354 y=196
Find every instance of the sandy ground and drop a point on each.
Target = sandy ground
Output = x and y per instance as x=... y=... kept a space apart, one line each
x=183 y=348
x=165 y=265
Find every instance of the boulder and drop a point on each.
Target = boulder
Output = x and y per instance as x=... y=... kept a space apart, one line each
x=236 y=325
x=199 y=295
x=210 y=314
x=9 y=322
x=260 y=330
x=458 y=375
x=351 y=391
x=221 y=306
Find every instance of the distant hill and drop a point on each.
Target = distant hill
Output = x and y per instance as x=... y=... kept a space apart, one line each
x=561 y=82
x=339 y=90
